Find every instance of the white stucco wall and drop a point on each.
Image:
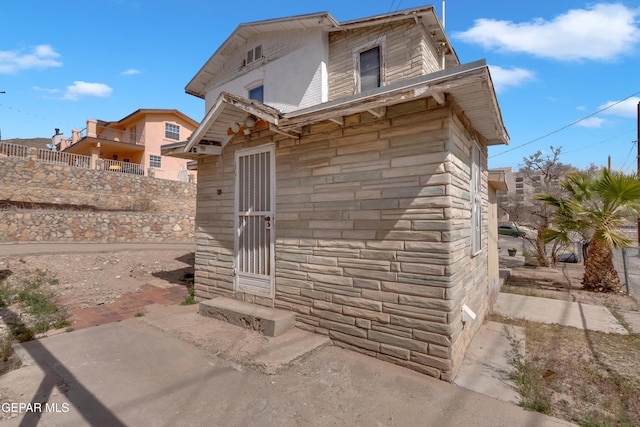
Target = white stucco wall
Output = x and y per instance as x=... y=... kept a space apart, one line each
x=293 y=70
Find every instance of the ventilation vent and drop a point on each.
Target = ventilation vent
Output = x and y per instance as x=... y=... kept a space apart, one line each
x=252 y=55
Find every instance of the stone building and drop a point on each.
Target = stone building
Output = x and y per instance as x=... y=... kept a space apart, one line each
x=342 y=177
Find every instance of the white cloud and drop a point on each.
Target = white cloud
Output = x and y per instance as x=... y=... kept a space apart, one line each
x=130 y=72
x=42 y=56
x=44 y=89
x=80 y=89
x=506 y=77
x=627 y=108
x=599 y=33
x=592 y=123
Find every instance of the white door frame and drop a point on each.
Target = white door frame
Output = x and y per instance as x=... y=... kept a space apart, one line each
x=254 y=221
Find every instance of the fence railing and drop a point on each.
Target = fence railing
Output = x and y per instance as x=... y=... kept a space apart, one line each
x=13 y=150
x=123 y=167
x=68 y=159
x=627 y=262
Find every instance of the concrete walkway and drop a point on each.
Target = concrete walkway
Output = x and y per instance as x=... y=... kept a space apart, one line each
x=545 y=310
x=486 y=368
x=174 y=367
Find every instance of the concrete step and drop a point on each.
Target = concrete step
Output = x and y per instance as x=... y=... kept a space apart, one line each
x=268 y=321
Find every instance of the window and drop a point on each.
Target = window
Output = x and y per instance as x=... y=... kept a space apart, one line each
x=172 y=131
x=155 y=161
x=132 y=135
x=476 y=201
x=370 y=69
x=257 y=93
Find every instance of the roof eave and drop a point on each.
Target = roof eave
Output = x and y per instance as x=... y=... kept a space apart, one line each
x=474 y=75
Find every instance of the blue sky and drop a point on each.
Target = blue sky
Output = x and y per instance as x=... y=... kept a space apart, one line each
x=555 y=64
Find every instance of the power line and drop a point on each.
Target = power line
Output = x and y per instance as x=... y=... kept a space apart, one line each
x=564 y=127
x=600 y=142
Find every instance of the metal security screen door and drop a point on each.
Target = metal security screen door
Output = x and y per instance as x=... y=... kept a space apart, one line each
x=255 y=189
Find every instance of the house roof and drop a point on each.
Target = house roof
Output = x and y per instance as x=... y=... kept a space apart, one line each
x=321 y=20
x=469 y=86
x=149 y=111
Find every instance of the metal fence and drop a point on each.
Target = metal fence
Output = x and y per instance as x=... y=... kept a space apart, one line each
x=627 y=263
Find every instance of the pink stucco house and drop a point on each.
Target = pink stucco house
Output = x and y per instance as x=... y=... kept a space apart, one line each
x=132 y=144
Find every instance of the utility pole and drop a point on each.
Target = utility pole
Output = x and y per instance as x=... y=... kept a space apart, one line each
x=638 y=166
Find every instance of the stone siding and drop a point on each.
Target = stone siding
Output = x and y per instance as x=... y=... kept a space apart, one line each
x=372 y=233
x=406 y=53
x=46 y=202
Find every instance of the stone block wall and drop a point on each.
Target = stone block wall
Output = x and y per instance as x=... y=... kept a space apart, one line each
x=406 y=53
x=26 y=180
x=47 y=202
x=372 y=225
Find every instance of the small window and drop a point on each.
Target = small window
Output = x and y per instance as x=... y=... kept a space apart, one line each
x=257 y=93
x=172 y=131
x=370 y=69
x=155 y=161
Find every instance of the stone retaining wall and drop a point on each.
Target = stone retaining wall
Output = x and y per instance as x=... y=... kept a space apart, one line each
x=26 y=180
x=91 y=206
x=106 y=227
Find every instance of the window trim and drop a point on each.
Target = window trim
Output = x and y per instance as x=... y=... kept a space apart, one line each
x=167 y=132
x=475 y=195
x=379 y=42
x=255 y=86
x=153 y=158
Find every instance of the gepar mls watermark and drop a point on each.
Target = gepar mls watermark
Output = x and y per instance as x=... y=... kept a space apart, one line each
x=25 y=407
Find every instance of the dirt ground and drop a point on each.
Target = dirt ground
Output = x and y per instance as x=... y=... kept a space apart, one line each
x=564 y=283
x=93 y=279
x=589 y=377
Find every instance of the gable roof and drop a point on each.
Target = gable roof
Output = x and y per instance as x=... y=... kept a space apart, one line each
x=470 y=86
x=321 y=20
x=141 y=112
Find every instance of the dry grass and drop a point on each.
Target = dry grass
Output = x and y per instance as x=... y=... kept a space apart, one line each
x=587 y=377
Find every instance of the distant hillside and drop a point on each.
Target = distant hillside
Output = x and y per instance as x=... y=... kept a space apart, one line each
x=29 y=142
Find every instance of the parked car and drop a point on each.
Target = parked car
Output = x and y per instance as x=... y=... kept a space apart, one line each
x=511 y=230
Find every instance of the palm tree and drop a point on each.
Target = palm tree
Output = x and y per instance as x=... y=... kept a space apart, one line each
x=598 y=207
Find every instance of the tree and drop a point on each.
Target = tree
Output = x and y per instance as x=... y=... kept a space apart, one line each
x=542 y=173
x=597 y=206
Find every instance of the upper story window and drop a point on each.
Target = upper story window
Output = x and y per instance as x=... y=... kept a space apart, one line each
x=253 y=55
x=370 y=69
x=257 y=93
x=172 y=131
